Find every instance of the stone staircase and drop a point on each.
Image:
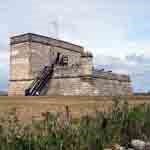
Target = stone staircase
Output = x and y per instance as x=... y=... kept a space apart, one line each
x=40 y=81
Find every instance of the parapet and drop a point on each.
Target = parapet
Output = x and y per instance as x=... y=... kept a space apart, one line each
x=75 y=71
x=111 y=76
x=66 y=71
x=30 y=37
x=87 y=54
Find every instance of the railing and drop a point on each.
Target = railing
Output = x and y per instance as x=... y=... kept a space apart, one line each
x=40 y=81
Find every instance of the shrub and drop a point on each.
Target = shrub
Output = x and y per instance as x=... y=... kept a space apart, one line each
x=53 y=132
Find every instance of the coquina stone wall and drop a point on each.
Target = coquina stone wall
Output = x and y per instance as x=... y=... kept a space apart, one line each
x=68 y=81
x=29 y=54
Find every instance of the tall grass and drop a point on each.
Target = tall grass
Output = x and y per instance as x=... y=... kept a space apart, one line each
x=54 y=132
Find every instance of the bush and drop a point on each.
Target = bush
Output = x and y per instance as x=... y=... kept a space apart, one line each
x=53 y=132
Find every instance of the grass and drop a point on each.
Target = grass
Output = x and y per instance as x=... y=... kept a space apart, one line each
x=58 y=132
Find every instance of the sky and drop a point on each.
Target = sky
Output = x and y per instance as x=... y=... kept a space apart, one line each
x=117 y=32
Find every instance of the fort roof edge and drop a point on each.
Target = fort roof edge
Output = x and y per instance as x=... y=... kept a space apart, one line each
x=32 y=37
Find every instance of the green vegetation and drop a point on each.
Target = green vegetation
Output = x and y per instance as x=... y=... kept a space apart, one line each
x=56 y=132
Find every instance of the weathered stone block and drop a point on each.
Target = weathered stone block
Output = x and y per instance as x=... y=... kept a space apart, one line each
x=30 y=53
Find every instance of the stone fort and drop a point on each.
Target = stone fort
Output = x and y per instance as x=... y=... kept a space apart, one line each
x=73 y=74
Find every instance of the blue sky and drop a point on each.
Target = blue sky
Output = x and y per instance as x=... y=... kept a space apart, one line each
x=116 y=31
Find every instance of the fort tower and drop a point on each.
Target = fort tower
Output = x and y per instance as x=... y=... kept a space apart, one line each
x=29 y=53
